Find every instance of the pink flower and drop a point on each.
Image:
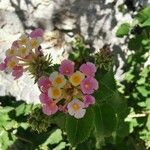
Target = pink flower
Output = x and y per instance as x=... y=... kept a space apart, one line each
x=37 y=33
x=3 y=66
x=88 y=100
x=17 y=72
x=44 y=83
x=76 y=108
x=66 y=67
x=50 y=108
x=89 y=69
x=44 y=98
x=88 y=85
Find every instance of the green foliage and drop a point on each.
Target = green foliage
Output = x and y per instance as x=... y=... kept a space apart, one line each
x=15 y=130
x=123 y=30
x=79 y=50
x=137 y=78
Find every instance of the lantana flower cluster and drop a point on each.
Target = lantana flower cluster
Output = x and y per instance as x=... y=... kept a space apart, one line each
x=68 y=90
x=23 y=51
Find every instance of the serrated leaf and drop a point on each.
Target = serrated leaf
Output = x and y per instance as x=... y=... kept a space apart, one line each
x=78 y=130
x=123 y=30
x=105 y=120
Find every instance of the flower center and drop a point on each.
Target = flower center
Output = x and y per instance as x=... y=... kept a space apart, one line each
x=34 y=43
x=23 y=41
x=87 y=85
x=23 y=50
x=66 y=70
x=75 y=107
x=77 y=79
x=56 y=92
x=12 y=64
x=58 y=80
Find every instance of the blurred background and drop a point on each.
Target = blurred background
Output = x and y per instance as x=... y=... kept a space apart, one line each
x=62 y=20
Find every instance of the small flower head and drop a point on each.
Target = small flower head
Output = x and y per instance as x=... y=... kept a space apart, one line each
x=66 y=67
x=76 y=78
x=58 y=80
x=50 y=108
x=37 y=33
x=44 y=83
x=88 y=100
x=88 y=69
x=88 y=85
x=76 y=108
x=54 y=92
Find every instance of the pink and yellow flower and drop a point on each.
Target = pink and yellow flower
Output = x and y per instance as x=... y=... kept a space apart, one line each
x=66 y=67
x=89 y=85
x=58 y=80
x=88 y=100
x=35 y=43
x=76 y=108
x=11 y=52
x=23 y=40
x=76 y=78
x=23 y=51
x=54 y=92
x=89 y=69
x=11 y=63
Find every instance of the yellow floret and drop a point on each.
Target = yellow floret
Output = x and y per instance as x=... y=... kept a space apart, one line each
x=12 y=63
x=11 y=52
x=76 y=78
x=54 y=92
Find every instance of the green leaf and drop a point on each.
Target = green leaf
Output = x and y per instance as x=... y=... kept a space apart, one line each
x=143 y=91
x=20 y=109
x=135 y=43
x=107 y=86
x=105 y=120
x=60 y=120
x=143 y=15
x=78 y=130
x=54 y=138
x=123 y=30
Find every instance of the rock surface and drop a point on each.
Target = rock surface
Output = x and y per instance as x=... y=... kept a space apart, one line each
x=95 y=20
